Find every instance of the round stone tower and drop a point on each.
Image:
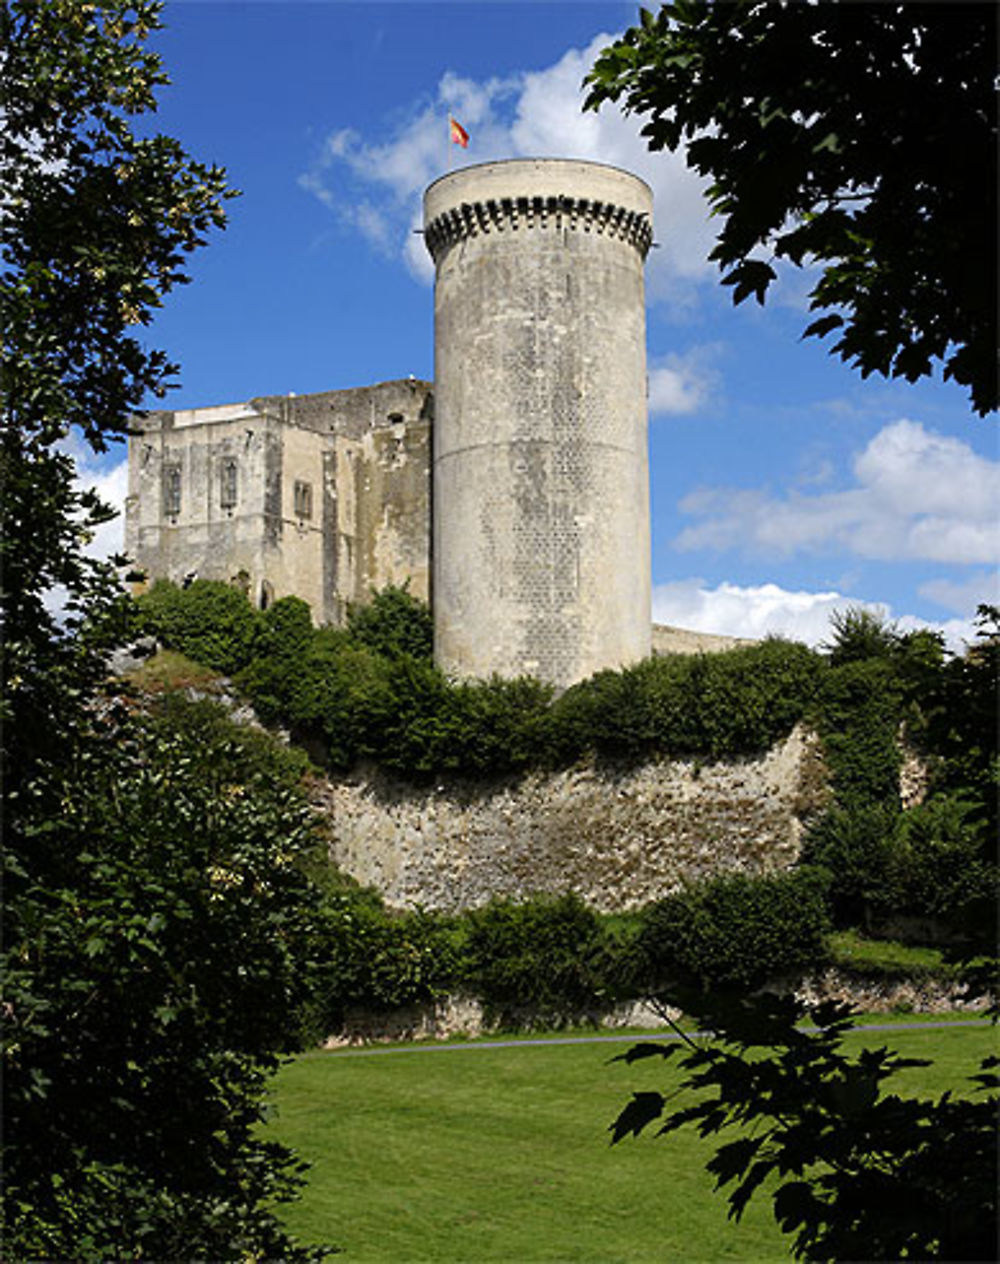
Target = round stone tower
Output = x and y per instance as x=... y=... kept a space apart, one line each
x=541 y=550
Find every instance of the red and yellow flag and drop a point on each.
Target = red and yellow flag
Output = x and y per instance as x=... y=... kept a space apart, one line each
x=459 y=136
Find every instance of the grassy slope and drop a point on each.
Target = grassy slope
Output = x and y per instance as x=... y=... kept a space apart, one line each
x=502 y=1154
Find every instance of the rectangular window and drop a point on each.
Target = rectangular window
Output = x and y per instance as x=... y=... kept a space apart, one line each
x=303 y=499
x=228 y=484
x=172 y=491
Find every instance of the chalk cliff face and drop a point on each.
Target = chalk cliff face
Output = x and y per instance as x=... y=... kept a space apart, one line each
x=618 y=838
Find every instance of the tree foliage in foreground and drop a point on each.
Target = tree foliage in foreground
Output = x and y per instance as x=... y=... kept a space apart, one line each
x=159 y=934
x=157 y=924
x=858 y=137
x=855 y=1172
x=97 y=223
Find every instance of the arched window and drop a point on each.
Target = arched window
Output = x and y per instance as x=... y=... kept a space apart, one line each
x=227 y=490
x=172 y=490
x=303 y=499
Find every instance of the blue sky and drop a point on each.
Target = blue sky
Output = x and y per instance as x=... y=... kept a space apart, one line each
x=783 y=485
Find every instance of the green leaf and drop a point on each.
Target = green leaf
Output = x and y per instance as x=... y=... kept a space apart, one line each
x=646 y=1050
x=641 y=1111
x=823 y=326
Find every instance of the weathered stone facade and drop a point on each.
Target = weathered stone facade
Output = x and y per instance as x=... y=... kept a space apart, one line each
x=618 y=838
x=323 y=496
x=541 y=478
x=537 y=524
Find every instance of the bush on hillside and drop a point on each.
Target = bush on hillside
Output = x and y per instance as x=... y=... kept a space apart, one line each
x=737 y=702
x=392 y=623
x=735 y=931
x=477 y=728
x=209 y=621
x=284 y=629
x=545 y=955
x=283 y=640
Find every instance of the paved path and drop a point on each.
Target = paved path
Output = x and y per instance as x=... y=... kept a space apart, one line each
x=654 y=1036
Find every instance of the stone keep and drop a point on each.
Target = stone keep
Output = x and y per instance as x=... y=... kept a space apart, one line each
x=541 y=547
x=322 y=496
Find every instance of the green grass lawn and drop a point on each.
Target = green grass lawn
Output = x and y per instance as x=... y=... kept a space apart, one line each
x=472 y=1153
x=886 y=956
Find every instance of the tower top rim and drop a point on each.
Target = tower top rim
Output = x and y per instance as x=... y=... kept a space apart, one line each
x=537 y=165
x=535 y=193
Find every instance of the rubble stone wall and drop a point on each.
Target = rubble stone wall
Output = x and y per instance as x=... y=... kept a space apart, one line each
x=617 y=837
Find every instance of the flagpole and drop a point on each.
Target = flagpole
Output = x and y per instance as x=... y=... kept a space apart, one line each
x=450 y=145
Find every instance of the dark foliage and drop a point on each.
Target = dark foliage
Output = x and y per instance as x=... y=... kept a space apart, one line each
x=959 y=720
x=401 y=711
x=156 y=920
x=931 y=864
x=209 y=621
x=545 y=958
x=859 y=717
x=855 y=1173
x=859 y=137
x=717 y=705
x=376 y=960
x=392 y=623
x=159 y=942
x=735 y=932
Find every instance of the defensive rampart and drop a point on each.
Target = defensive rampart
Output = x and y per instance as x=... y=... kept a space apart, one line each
x=617 y=837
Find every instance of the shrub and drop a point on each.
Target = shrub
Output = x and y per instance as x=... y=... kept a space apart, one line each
x=392 y=623
x=736 y=931
x=282 y=643
x=237 y=752
x=161 y=963
x=378 y=960
x=339 y=695
x=860 y=710
x=941 y=861
x=543 y=955
x=209 y=621
x=737 y=702
x=284 y=629
x=855 y=846
x=931 y=862
x=859 y=634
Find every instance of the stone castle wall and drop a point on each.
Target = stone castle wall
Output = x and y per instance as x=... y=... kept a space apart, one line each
x=323 y=496
x=618 y=838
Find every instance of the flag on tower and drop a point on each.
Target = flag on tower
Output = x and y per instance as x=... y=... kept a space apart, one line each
x=459 y=136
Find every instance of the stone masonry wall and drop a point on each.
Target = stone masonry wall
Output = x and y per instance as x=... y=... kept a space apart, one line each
x=617 y=837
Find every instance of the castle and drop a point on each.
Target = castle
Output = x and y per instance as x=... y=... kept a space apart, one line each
x=323 y=496
x=513 y=493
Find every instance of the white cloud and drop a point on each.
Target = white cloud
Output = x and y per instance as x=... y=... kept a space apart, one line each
x=109 y=478
x=756 y=611
x=532 y=114
x=983 y=588
x=681 y=383
x=918 y=495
